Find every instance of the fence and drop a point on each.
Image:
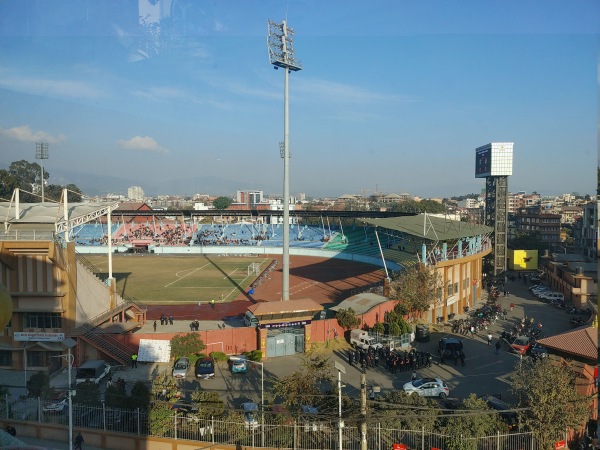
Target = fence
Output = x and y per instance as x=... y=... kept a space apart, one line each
x=279 y=431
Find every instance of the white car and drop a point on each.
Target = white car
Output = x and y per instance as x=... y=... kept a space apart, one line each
x=57 y=407
x=427 y=387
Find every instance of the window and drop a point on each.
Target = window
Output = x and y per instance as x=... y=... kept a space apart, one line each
x=42 y=320
x=456 y=288
x=449 y=289
x=35 y=359
x=5 y=358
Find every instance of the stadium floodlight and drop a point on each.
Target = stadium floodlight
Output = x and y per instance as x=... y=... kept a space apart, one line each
x=281 y=54
x=41 y=153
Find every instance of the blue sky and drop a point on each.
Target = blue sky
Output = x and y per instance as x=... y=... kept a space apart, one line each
x=394 y=96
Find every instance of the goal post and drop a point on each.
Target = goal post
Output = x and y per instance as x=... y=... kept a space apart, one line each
x=253 y=268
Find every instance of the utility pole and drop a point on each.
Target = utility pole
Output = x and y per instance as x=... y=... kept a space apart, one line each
x=363 y=411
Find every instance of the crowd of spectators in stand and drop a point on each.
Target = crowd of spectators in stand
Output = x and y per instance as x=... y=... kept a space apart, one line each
x=163 y=234
x=218 y=237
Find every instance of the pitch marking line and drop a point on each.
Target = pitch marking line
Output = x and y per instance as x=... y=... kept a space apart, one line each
x=180 y=278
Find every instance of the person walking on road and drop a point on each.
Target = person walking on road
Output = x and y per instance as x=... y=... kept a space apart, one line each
x=414 y=376
x=212 y=303
x=498 y=346
x=489 y=338
x=512 y=306
x=154 y=326
x=78 y=442
x=134 y=360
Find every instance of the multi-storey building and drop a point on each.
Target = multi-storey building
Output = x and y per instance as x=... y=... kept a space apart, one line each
x=135 y=193
x=547 y=225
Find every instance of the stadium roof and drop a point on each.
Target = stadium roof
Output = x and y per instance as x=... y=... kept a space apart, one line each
x=430 y=227
x=361 y=303
x=49 y=216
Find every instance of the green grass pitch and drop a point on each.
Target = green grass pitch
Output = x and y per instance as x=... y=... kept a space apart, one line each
x=180 y=279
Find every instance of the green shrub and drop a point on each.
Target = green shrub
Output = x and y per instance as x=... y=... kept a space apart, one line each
x=218 y=356
x=254 y=355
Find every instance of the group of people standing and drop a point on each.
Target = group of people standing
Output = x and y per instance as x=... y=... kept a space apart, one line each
x=395 y=361
x=166 y=320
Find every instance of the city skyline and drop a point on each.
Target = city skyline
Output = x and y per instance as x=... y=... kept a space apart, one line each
x=394 y=98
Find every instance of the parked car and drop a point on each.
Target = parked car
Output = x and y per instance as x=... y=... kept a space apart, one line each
x=250 y=411
x=509 y=417
x=553 y=297
x=427 y=387
x=58 y=405
x=184 y=407
x=238 y=364
x=538 y=351
x=181 y=367
x=205 y=368
x=521 y=344
x=447 y=347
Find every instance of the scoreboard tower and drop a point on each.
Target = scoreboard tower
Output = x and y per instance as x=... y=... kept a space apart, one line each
x=494 y=162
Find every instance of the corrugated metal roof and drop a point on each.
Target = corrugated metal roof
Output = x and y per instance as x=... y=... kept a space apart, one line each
x=47 y=213
x=580 y=341
x=430 y=227
x=290 y=306
x=361 y=303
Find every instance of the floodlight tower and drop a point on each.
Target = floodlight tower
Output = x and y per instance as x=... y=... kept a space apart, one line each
x=494 y=162
x=41 y=153
x=281 y=54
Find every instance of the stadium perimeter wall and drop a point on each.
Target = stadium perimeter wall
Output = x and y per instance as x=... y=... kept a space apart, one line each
x=237 y=340
x=246 y=250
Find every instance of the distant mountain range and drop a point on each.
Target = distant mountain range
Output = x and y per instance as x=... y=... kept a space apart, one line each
x=94 y=184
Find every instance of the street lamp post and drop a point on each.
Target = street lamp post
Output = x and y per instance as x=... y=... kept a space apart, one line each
x=69 y=343
x=340 y=368
x=262 y=400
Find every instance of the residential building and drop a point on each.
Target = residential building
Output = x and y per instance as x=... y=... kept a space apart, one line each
x=135 y=193
x=547 y=225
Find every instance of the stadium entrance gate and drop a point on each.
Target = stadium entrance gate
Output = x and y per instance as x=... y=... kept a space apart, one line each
x=285 y=341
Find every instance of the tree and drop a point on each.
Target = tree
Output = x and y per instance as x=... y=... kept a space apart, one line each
x=38 y=385
x=209 y=403
x=160 y=418
x=397 y=323
x=222 y=202
x=481 y=422
x=547 y=388
x=417 y=288
x=186 y=345
x=306 y=385
x=140 y=396
x=379 y=328
x=87 y=393
x=164 y=388
x=347 y=319
x=405 y=412
x=116 y=397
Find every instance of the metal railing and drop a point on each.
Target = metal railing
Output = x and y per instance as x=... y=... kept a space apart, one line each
x=279 y=432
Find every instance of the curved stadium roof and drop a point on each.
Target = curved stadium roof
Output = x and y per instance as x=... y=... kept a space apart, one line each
x=434 y=228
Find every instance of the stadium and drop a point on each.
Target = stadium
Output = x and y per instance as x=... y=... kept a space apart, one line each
x=70 y=274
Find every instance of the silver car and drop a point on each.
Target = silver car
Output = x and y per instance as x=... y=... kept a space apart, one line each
x=427 y=387
x=181 y=367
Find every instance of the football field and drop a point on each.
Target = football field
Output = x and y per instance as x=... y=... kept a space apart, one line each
x=181 y=279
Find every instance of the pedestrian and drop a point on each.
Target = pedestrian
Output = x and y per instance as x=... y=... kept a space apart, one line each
x=171 y=319
x=134 y=360
x=414 y=376
x=498 y=346
x=212 y=303
x=461 y=355
x=78 y=441
x=489 y=338
x=507 y=294
x=472 y=329
x=512 y=306
x=154 y=326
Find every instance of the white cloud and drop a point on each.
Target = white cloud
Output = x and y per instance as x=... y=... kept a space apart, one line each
x=340 y=92
x=48 y=87
x=26 y=134
x=142 y=144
